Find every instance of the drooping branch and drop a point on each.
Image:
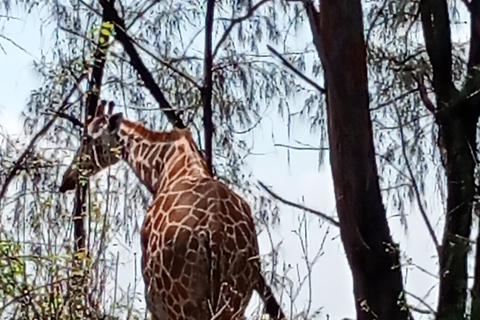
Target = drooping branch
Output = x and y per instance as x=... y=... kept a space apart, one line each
x=72 y=119
x=287 y=64
x=236 y=21
x=415 y=187
x=207 y=89
x=20 y=161
x=138 y=64
x=299 y=206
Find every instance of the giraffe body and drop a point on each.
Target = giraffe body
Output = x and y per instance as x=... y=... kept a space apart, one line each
x=200 y=256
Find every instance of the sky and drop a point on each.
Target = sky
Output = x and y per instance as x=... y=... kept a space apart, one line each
x=300 y=181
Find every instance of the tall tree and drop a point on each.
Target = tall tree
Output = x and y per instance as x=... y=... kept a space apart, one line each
x=371 y=252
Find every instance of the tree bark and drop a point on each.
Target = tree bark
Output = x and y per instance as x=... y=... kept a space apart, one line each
x=371 y=253
x=473 y=76
x=456 y=117
x=207 y=89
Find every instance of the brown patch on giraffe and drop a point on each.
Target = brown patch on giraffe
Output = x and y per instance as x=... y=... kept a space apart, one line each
x=194 y=244
x=241 y=241
x=191 y=256
x=230 y=244
x=166 y=281
x=187 y=268
x=177 y=266
x=177 y=308
x=190 y=308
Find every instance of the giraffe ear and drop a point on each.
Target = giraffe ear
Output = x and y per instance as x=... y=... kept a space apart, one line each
x=114 y=122
x=101 y=108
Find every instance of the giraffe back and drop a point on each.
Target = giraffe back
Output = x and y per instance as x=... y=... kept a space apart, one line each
x=200 y=251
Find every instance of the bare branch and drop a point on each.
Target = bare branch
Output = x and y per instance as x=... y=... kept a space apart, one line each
x=295 y=70
x=75 y=121
x=415 y=186
x=236 y=21
x=299 y=206
x=300 y=148
x=432 y=311
x=424 y=95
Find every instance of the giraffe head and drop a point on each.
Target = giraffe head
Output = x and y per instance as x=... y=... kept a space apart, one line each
x=100 y=148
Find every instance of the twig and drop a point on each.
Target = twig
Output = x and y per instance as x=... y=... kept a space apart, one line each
x=415 y=186
x=236 y=21
x=23 y=156
x=423 y=94
x=75 y=121
x=299 y=206
x=422 y=302
x=16 y=45
x=300 y=148
x=295 y=70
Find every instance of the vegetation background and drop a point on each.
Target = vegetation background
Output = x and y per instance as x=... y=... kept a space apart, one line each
x=365 y=111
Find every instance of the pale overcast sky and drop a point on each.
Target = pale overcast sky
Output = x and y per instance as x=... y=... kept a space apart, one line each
x=332 y=285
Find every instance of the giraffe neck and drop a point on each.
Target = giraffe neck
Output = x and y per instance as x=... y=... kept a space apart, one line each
x=161 y=158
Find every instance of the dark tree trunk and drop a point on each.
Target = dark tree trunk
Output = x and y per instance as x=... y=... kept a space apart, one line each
x=371 y=253
x=456 y=117
x=473 y=62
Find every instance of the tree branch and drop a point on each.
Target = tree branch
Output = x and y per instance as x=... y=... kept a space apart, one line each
x=424 y=95
x=299 y=206
x=437 y=34
x=207 y=88
x=415 y=186
x=300 y=148
x=295 y=70
x=138 y=64
x=236 y=21
x=73 y=120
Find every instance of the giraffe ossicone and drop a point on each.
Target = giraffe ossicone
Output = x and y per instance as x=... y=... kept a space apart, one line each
x=200 y=256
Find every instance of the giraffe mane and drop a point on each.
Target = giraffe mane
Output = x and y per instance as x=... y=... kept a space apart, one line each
x=167 y=136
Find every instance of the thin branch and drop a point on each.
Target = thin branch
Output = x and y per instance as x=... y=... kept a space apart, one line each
x=46 y=127
x=399 y=97
x=295 y=70
x=415 y=186
x=424 y=95
x=16 y=45
x=74 y=120
x=299 y=206
x=236 y=21
x=300 y=148
x=166 y=64
x=422 y=302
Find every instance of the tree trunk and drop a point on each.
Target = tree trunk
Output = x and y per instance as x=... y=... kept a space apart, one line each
x=456 y=117
x=371 y=253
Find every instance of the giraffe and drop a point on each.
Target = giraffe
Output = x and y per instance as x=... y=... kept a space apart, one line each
x=200 y=255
